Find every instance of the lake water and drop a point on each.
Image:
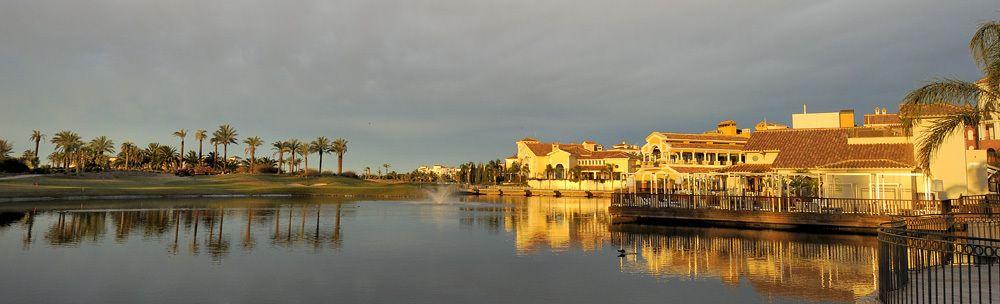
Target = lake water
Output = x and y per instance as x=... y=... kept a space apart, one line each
x=466 y=250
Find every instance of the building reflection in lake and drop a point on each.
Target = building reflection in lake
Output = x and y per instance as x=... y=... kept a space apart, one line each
x=776 y=264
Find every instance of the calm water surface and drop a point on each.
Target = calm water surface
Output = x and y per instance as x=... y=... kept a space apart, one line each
x=510 y=250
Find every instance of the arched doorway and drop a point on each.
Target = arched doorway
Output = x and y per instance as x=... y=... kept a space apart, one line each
x=560 y=172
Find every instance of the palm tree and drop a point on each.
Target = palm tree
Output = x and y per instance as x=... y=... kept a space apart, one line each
x=339 y=146
x=226 y=135
x=304 y=151
x=182 y=134
x=279 y=148
x=972 y=102
x=320 y=145
x=368 y=172
x=100 y=145
x=127 y=151
x=200 y=137
x=37 y=137
x=215 y=155
x=252 y=144
x=5 y=149
x=67 y=143
x=293 y=147
x=386 y=166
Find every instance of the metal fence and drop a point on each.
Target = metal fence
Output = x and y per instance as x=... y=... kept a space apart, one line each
x=952 y=258
x=780 y=204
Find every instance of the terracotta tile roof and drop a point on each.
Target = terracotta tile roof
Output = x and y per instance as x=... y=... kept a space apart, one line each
x=746 y=168
x=813 y=148
x=702 y=137
x=692 y=169
x=882 y=119
x=540 y=148
x=606 y=154
x=528 y=139
x=867 y=164
x=928 y=110
x=715 y=146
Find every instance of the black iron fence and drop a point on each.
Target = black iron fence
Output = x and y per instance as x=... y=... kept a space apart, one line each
x=952 y=258
x=781 y=203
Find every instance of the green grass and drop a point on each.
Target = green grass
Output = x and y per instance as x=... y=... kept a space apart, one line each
x=147 y=184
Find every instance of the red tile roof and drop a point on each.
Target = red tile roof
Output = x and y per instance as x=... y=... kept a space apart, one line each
x=702 y=137
x=708 y=146
x=867 y=164
x=680 y=169
x=882 y=119
x=814 y=148
x=746 y=168
x=928 y=110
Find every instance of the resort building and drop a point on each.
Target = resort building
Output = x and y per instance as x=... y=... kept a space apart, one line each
x=438 y=170
x=669 y=158
x=586 y=160
x=826 y=155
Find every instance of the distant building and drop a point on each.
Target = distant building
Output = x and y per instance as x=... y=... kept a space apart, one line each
x=559 y=161
x=806 y=120
x=439 y=170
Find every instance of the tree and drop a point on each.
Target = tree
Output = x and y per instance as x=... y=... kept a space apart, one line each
x=319 y=146
x=339 y=147
x=972 y=103
x=37 y=137
x=226 y=135
x=252 y=144
x=303 y=150
x=386 y=166
x=100 y=145
x=182 y=134
x=279 y=149
x=549 y=171
x=127 y=152
x=67 y=143
x=5 y=149
x=293 y=147
x=200 y=137
x=215 y=140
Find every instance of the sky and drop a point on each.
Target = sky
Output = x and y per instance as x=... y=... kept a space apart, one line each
x=413 y=82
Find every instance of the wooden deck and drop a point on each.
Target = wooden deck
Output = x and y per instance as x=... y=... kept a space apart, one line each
x=843 y=214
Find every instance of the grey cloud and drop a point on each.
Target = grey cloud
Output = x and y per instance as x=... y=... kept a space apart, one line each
x=410 y=82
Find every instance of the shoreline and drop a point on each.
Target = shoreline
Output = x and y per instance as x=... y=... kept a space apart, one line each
x=25 y=199
x=42 y=188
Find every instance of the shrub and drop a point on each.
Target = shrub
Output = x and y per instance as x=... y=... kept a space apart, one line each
x=203 y=170
x=264 y=168
x=185 y=171
x=13 y=165
x=350 y=174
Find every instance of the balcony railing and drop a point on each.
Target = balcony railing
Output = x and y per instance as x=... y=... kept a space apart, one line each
x=882 y=207
x=950 y=258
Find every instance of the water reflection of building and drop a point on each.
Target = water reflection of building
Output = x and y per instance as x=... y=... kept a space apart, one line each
x=824 y=268
x=548 y=223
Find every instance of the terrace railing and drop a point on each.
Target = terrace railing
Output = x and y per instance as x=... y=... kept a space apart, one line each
x=884 y=207
x=952 y=258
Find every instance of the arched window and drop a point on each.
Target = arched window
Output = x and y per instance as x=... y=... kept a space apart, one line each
x=560 y=171
x=656 y=154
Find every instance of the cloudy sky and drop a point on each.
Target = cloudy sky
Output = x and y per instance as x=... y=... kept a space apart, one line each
x=413 y=81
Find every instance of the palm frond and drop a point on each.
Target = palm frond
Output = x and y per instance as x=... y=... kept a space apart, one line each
x=985 y=44
x=940 y=130
x=945 y=90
